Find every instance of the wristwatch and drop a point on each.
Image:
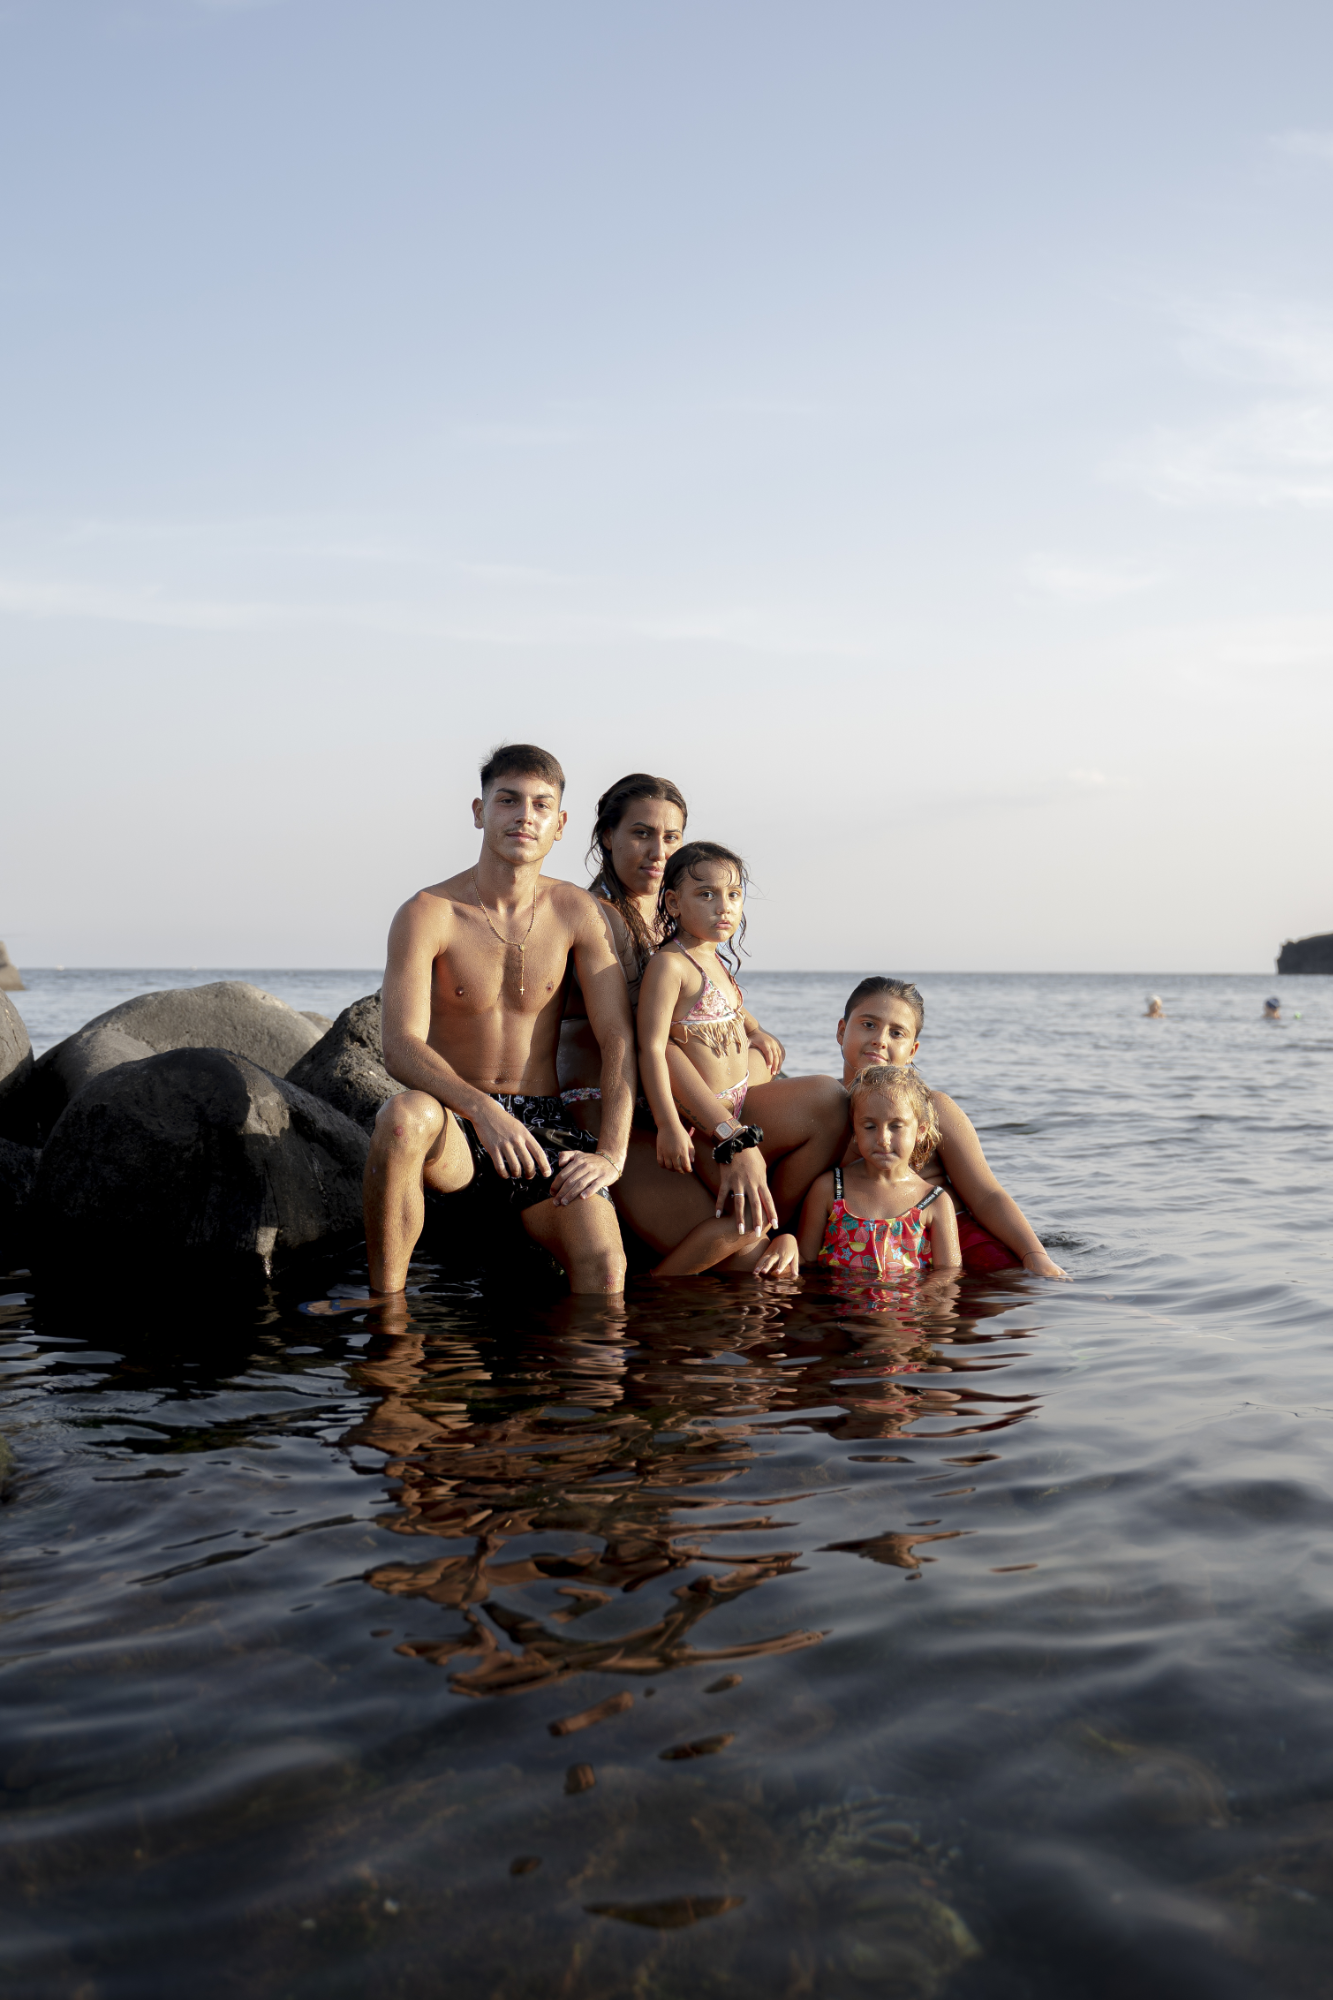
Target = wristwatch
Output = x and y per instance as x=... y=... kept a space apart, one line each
x=726 y=1130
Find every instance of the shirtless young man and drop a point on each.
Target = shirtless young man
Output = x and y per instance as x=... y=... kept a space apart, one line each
x=473 y=994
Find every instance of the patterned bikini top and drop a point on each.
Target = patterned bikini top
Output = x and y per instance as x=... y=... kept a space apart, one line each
x=712 y=1019
x=878 y=1245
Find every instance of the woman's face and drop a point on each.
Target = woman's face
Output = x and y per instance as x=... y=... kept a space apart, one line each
x=649 y=832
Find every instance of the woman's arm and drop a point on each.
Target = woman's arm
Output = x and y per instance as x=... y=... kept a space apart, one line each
x=814 y=1218
x=942 y=1222
x=657 y=1004
x=967 y=1168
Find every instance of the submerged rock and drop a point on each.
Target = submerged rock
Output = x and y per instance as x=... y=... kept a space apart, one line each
x=196 y=1157
x=11 y=979
x=18 y=1176
x=347 y=1068
x=226 y=1014
x=16 y=1063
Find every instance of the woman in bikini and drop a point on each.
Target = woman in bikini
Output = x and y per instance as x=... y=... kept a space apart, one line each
x=640 y=824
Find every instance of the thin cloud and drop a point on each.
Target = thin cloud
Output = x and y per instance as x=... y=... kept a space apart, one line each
x=1074 y=582
x=1304 y=145
x=1277 y=451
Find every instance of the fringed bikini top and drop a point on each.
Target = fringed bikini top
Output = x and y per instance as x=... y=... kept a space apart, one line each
x=712 y=1019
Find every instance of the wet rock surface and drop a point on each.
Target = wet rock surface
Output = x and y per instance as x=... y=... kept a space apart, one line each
x=346 y=1068
x=16 y=1064
x=196 y=1156
x=227 y=1014
x=18 y=1177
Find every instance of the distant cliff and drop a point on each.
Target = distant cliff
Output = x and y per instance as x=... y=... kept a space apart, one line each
x=10 y=981
x=1312 y=954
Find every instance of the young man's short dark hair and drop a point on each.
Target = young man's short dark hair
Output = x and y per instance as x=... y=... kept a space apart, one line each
x=521 y=760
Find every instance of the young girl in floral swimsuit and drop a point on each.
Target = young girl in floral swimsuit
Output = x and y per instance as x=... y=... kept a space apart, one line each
x=877 y=1217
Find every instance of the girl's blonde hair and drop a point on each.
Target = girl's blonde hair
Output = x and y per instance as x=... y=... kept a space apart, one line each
x=902 y=1085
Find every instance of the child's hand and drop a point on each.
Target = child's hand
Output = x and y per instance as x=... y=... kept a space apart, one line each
x=1042 y=1266
x=675 y=1149
x=770 y=1048
x=781 y=1259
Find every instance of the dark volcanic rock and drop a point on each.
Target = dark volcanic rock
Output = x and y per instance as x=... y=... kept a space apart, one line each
x=196 y=1158
x=1312 y=954
x=15 y=1057
x=227 y=1014
x=18 y=1174
x=347 y=1068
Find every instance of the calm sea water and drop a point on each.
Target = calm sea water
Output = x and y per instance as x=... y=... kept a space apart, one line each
x=740 y=1642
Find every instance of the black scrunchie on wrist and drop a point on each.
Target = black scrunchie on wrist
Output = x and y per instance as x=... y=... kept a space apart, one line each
x=726 y=1151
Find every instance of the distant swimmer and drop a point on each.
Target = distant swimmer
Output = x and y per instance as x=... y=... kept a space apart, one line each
x=1272 y=1010
x=1155 y=1010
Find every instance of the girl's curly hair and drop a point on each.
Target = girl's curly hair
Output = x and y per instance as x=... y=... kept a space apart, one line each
x=902 y=1086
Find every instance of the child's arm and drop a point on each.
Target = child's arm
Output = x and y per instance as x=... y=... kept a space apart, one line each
x=942 y=1222
x=658 y=997
x=968 y=1169
x=814 y=1217
x=766 y=1045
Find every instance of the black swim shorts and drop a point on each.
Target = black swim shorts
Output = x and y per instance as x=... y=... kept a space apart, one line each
x=547 y=1120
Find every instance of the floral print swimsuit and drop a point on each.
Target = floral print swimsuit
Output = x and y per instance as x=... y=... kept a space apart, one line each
x=879 y=1246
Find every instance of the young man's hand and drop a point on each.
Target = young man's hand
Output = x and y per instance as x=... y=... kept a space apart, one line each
x=675 y=1149
x=514 y=1151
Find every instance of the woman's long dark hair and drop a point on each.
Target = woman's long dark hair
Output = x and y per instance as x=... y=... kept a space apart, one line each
x=611 y=809
x=685 y=861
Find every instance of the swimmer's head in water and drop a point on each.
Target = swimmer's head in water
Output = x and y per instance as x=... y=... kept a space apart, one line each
x=1154 y=1003
x=901 y=1087
x=1272 y=1006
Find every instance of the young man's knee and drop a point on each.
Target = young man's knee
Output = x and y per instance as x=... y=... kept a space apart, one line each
x=411 y=1122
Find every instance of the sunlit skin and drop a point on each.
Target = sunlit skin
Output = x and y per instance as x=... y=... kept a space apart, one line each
x=881 y=1182
x=456 y=1029
x=883 y=1029
x=802 y=1129
x=641 y=845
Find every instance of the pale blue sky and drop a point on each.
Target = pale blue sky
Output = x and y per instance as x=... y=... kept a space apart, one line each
x=909 y=428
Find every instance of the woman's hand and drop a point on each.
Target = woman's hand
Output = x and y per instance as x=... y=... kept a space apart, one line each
x=769 y=1048
x=1042 y=1266
x=781 y=1259
x=675 y=1148
x=745 y=1192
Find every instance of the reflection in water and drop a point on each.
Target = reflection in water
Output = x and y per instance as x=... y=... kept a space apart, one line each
x=626 y=1461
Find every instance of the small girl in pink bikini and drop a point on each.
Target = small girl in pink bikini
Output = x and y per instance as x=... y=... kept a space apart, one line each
x=694 y=1045
x=878 y=1218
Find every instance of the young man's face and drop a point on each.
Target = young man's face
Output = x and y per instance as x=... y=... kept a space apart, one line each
x=882 y=1029
x=520 y=817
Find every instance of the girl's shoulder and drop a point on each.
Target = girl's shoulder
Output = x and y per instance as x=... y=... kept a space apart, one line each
x=665 y=964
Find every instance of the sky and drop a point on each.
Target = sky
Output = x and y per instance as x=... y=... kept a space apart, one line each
x=908 y=428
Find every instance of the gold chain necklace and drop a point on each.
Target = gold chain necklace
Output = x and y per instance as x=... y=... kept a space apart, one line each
x=508 y=943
